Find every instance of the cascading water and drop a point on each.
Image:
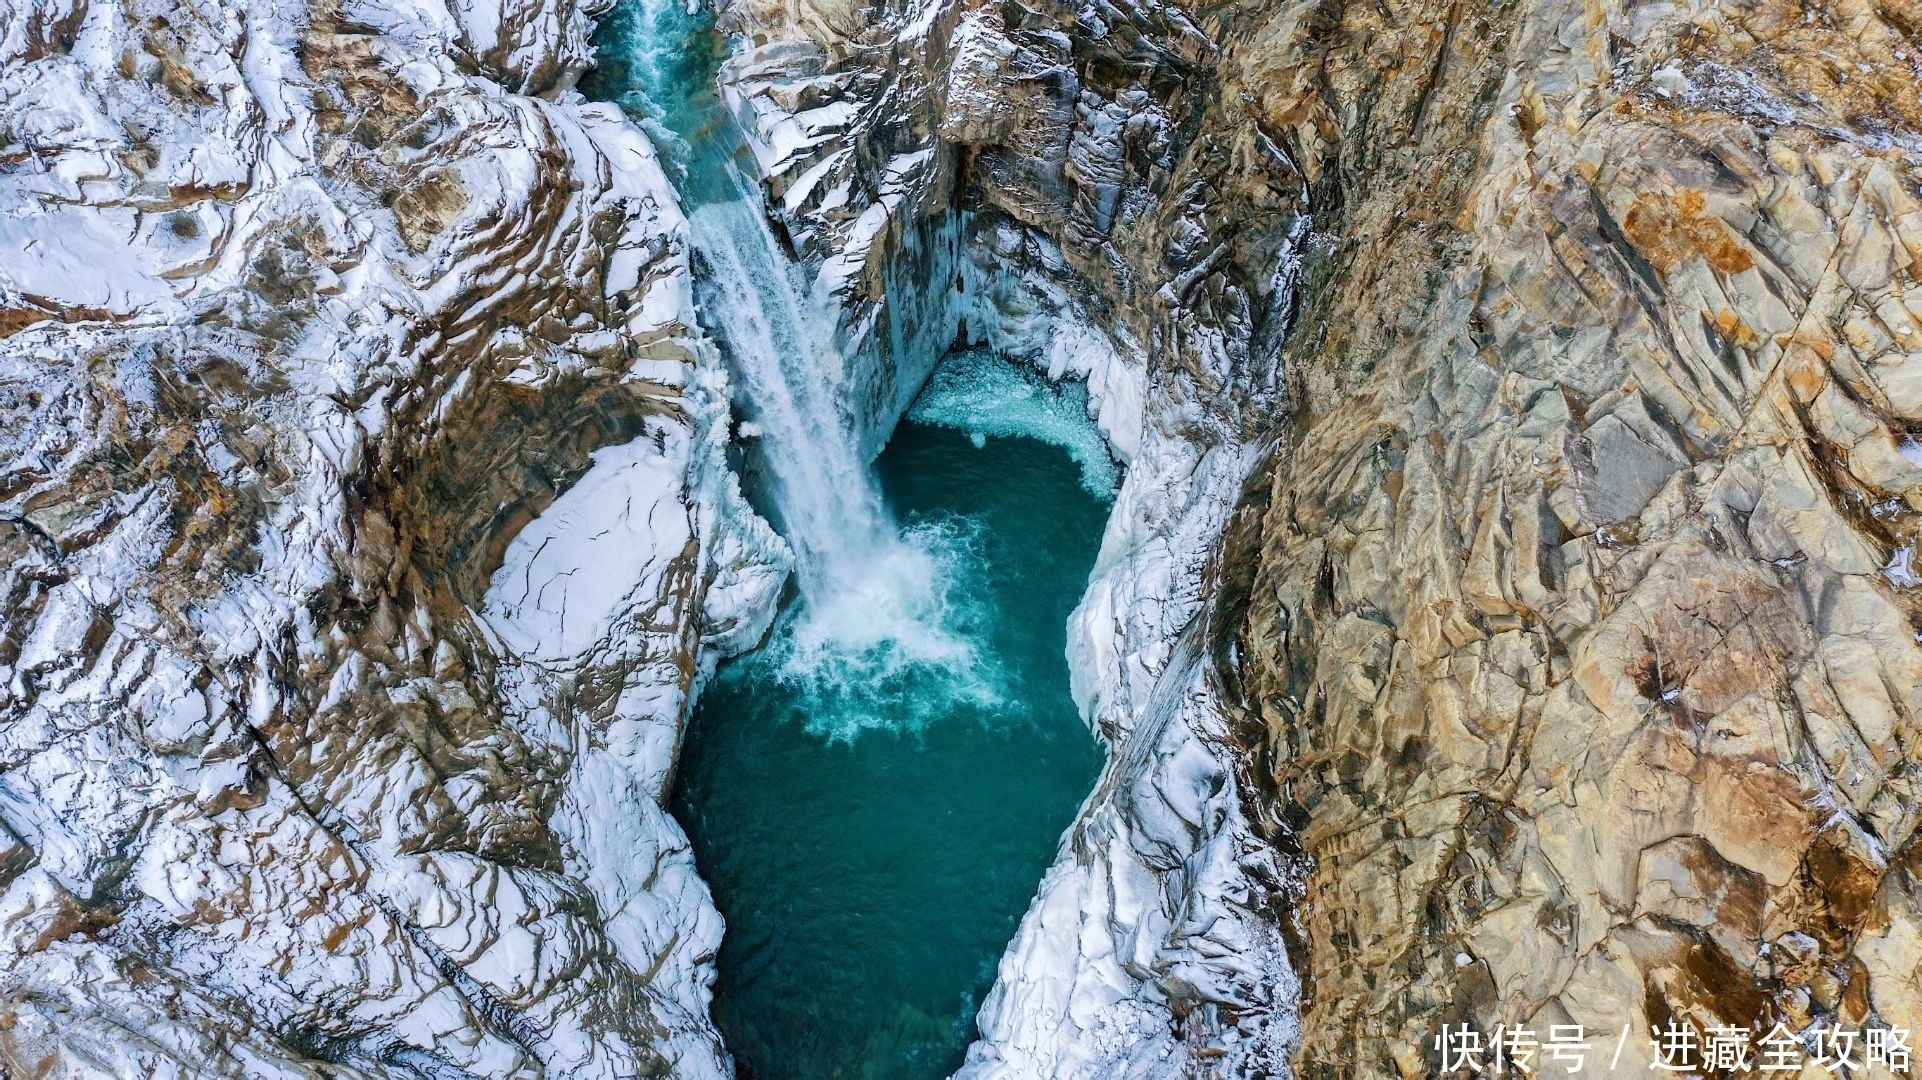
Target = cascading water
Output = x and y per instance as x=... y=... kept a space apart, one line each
x=873 y=604
x=874 y=793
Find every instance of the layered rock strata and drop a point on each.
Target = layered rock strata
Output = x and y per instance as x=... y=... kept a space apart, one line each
x=1568 y=625
x=1509 y=616
x=363 y=523
x=1583 y=635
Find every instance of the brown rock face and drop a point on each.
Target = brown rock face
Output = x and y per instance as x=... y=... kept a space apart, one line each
x=1582 y=642
x=1560 y=665
x=1577 y=606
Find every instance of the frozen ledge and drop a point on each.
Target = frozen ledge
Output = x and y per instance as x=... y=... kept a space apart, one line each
x=1151 y=948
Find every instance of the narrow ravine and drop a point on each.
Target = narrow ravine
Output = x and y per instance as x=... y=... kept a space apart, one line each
x=874 y=793
x=872 y=848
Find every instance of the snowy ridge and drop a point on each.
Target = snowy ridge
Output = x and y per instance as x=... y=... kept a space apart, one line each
x=1159 y=899
x=305 y=316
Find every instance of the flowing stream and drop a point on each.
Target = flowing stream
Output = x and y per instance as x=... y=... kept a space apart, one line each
x=871 y=598
x=874 y=793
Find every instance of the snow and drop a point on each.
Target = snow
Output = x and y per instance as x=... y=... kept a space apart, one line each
x=1068 y=1000
x=599 y=549
x=262 y=812
x=1150 y=878
x=84 y=268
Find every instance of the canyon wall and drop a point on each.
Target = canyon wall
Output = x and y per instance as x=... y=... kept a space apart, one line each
x=1120 y=220
x=1581 y=651
x=1509 y=615
x=363 y=520
x=1559 y=662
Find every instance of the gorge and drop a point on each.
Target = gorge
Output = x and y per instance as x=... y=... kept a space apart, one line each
x=872 y=848
x=445 y=448
x=874 y=791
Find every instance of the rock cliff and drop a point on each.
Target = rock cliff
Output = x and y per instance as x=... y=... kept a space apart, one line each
x=363 y=522
x=1073 y=186
x=1510 y=613
x=1564 y=639
x=1581 y=650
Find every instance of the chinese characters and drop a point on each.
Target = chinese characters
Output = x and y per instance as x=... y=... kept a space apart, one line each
x=1677 y=1047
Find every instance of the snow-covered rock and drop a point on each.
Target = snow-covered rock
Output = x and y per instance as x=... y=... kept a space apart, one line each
x=364 y=530
x=954 y=179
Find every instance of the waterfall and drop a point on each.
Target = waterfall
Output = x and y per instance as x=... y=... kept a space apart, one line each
x=783 y=351
x=873 y=619
x=863 y=586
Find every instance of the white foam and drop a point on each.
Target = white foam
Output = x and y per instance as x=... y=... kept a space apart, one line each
x=899 y=642
x=900 y=649
x=872 y=639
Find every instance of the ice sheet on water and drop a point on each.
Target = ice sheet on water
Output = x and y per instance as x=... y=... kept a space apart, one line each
x=985 y=395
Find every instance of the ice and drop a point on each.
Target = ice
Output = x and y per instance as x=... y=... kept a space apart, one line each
x=983 y=395
x=1081 y=991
